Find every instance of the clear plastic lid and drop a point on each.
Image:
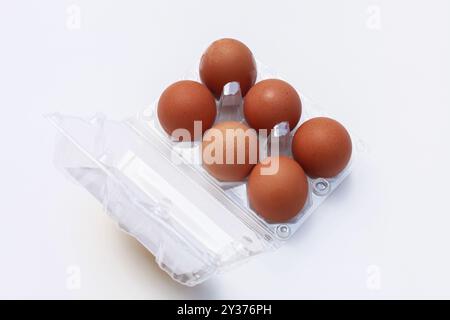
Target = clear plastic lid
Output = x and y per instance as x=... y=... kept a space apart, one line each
x=190 y=225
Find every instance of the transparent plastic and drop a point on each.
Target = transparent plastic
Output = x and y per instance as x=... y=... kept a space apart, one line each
x=158 y=192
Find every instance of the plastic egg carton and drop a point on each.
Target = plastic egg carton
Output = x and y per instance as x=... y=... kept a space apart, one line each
x=158 y=192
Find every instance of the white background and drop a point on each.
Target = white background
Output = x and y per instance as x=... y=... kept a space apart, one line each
x=382 y=67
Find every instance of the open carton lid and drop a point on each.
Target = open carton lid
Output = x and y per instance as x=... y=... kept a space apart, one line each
x=191 y=226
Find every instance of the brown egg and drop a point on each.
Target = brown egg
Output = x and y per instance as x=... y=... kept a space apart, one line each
x=270 y=102
x=277 y=195
x=230 y=151
x=184 y=102
x=227 y=60
x=322 y=146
